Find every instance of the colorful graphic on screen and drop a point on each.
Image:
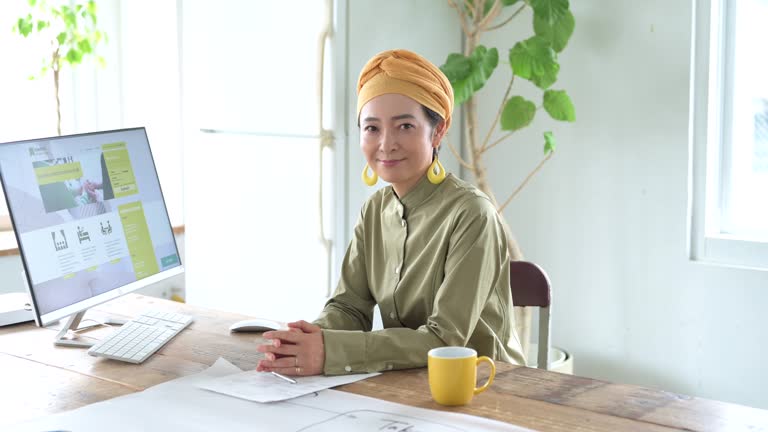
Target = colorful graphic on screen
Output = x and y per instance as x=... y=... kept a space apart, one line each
x=88 y=212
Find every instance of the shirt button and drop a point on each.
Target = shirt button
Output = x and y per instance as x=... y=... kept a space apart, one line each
x=402 y=222
x=392 y=315
x=348 y=368
x=397 y=270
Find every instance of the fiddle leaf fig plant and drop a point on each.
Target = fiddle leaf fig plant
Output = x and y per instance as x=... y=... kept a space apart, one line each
x=534 y=59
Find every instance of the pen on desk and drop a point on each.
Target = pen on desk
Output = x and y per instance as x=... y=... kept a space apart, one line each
x=290 y=380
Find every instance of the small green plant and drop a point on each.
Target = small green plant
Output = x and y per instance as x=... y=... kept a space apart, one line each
x=73 y=32
x=533 y=59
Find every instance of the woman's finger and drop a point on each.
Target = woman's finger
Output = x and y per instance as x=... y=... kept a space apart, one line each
x=304 y=326
x=290 y=371
x=284 y=336
x=284 y=362
x=284 y=349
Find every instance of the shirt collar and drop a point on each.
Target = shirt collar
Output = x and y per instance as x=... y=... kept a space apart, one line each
x=416 y=196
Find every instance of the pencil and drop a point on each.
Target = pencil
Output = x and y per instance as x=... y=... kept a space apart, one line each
x=290 y=380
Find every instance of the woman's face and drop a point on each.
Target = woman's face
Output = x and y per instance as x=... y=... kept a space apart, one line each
x=397 y=140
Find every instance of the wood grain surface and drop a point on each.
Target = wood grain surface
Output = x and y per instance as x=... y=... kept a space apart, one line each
x=38 y=378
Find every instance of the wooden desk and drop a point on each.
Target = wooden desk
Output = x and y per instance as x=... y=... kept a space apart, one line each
x=38 y=378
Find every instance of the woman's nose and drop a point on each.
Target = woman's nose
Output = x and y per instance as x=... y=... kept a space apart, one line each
x=388 y=142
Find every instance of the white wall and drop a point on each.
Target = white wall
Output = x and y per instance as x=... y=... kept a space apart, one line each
x=607 y=218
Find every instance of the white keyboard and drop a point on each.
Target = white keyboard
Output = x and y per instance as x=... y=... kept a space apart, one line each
x=140 y=337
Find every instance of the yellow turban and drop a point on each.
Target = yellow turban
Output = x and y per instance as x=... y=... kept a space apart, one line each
x=409 y=74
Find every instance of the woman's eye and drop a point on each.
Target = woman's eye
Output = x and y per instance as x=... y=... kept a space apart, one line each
x=370 y=128
x=406 y=126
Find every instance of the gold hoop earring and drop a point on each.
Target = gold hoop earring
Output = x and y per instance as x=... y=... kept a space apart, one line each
x=369 y=180
x=436 y=172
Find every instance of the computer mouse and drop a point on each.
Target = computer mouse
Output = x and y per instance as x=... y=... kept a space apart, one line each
x=255 y=325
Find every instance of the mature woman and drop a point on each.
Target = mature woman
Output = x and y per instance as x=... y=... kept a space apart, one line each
x=429 y=249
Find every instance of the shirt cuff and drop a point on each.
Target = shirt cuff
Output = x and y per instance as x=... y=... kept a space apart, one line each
x=345 y=352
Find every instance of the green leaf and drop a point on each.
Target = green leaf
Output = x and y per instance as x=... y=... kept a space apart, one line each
x=456 y=67
x=70 y=19
x=32 y=3
x=41 y=25
x=74 y=56
x=518 y=113
x=556 y=31
x=25 y=25
x=550 y=10
x=549 y=143
x=469 y=74
x=85 y=46
x=559 y=106
x=535 y=60
x=61 y=38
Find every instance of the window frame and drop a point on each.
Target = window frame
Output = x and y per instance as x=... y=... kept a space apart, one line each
x=711 y=95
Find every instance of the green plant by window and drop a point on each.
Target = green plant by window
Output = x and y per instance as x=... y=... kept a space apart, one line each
x=73 y=32
x=533 y=59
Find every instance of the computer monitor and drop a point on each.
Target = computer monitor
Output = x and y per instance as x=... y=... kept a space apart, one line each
x=89 y=218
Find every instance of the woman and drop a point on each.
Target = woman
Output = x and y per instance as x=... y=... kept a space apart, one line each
x=429 y=249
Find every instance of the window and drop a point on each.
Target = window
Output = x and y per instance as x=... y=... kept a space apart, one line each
x=730 y=133
x=27 y=107
x=138 y=86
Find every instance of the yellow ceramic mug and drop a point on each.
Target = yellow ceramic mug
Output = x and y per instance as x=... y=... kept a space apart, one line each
x=453 y=373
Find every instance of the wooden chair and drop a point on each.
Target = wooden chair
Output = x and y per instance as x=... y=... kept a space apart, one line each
x=531 y=288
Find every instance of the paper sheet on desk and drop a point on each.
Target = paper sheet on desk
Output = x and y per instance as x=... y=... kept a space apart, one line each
x=181 y=405
x=265 y=387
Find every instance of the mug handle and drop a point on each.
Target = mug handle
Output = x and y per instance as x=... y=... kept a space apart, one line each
x=485 y=386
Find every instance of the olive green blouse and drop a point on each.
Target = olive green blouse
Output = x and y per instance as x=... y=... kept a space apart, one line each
x=436 y=262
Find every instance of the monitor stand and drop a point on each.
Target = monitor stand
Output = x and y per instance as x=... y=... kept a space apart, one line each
x=68 y=336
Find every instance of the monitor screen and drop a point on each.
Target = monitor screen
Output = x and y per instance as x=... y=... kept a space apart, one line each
x=89 y=218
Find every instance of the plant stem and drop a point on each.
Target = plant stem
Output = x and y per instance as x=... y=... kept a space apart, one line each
x=478 y=167
x=527 y=179
x=462 y=17
x=458 y=157
x=502 y=24
x=497 y=142
x=492 y=14
x=55 y=66
x=498 y=115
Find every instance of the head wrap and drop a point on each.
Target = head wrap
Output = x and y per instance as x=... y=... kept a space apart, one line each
x=409 y=74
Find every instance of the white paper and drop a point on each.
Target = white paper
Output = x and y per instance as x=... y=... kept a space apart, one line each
x=181 y=405
x=265 y=387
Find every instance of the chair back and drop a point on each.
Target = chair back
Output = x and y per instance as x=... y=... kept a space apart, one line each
x=531 y=288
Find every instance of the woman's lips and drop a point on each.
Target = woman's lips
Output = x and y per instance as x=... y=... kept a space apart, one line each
x=390 y=163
